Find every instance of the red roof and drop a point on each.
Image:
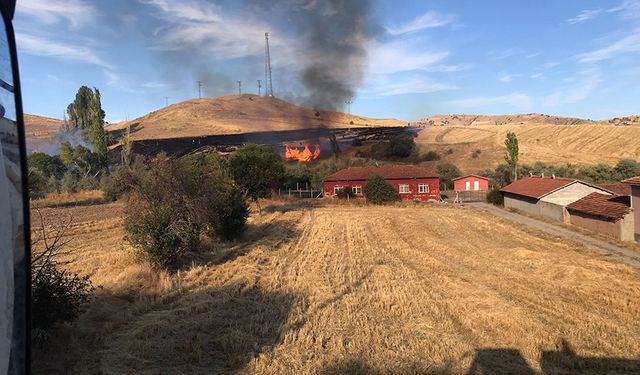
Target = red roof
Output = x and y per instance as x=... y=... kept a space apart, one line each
x=632 y=180
x=471 y=175
x=620 y=189
x=537 y=187
x=388 y=172
x=610 y=207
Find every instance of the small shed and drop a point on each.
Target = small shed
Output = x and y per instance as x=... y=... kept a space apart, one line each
x=547 y=197
x=471 y=183
x=634 y=182
x=607 y=214
x=410 y=181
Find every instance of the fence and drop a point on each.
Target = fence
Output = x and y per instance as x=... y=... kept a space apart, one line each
x=464 y=195
x=300 y=193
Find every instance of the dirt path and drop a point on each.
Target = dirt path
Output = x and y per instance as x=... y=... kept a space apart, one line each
x=608 y=249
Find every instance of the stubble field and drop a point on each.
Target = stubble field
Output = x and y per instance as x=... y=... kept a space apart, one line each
x=350 y=290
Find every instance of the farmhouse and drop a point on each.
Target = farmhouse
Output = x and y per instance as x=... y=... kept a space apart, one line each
x=471 y=183
x=635 y=202
x=547 y=197
x=606 y=214
x=410 y=181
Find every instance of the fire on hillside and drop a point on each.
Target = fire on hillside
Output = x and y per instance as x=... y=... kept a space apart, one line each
x=292 y=153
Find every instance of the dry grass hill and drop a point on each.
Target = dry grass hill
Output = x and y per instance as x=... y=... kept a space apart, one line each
x=237 y=114
x=542 y=138
x=39 y=129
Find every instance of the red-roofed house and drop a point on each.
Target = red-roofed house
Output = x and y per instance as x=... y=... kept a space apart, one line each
x=635 y=202
x=547 y=197
x=607 y=214
x=410 y=181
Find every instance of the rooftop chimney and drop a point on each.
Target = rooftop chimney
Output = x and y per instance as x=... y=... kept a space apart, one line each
x=542 y=175
x=553 y=175
x=530 y=174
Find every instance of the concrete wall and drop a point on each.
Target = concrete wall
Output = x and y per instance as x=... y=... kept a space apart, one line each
x=552 y=211
x=571 y=194
x=521 y=203
x=635 y=205
x=621 y=229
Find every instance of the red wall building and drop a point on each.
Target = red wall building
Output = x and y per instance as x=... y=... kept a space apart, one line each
x=410 y=181
x=471 y=183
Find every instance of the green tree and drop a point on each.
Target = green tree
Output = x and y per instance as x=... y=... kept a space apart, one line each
x=627 y=168
x=81 y=160
x=401 y=146
x=48 y=165
x=511 y=142
x=256 y=169
x=86 y=113
x=447 y=173
x=379 y=191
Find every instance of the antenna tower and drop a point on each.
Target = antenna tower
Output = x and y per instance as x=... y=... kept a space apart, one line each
x=267 y=66
x=259 y=86
x=239 y=87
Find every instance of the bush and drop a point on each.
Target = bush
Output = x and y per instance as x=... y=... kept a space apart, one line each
x=450 y=151
x=46 y=164
x=57 y=296
x=38 y=184
x=475 y=154
x=401 y=146
x=122 y=179
x=88 y=183
x=345 y=194
x=448 y=172
x=495 y=197
x=378 y=191
x=69 y=183
x=356 y=142
x=256 y=169
x=431 y=156
x=174 y=202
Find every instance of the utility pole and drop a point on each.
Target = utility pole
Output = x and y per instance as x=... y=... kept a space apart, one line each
x=199 y=89
x=239 y=87
x=166 y=101
x=259 y=86
x=348 y=103
x=267 y=66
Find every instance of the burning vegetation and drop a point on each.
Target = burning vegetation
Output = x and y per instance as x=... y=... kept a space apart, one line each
x=304 y=156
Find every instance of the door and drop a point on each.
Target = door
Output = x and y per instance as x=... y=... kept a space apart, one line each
x=476 y=185
x=467 y=185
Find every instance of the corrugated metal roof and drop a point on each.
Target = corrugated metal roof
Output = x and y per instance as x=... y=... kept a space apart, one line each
x=609 y=207
x=632 y=180
x=537 y=187
x=388 y=172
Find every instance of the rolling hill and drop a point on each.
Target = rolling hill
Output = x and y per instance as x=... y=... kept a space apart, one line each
x=237 y=114
x=40 y=130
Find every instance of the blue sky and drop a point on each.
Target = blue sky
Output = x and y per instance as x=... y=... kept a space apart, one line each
x=570 y=58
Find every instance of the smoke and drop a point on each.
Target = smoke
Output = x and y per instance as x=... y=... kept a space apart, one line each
x=319 y=47
x=75 y=137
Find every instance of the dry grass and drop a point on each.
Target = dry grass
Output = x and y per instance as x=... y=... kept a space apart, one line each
x=236 y=114
x=356 y=290
x=558 y=144
x=84 y=197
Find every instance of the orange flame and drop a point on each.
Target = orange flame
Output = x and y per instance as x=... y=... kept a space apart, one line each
x=292 y=153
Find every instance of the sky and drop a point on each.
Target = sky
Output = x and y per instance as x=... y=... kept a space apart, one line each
x=575 y=58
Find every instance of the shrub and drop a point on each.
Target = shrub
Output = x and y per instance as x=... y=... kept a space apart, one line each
x=174 y=202
x=38 y=184
x=57 y=296
x=431 y=156
x=88 y=183
x=401 y=146
x=378 y=191
x=345 y=194
x=475 y=154
x=448 y=172
x=450 y=151
x=69 y=183
x=495 y=197
x=46 y=164
x=356 y=142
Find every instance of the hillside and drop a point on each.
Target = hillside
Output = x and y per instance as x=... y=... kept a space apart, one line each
x=521 y=119
x=236 y=114
x=588 y=143
x=39 y=130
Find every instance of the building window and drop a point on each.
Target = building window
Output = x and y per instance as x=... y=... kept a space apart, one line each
x=356 y=189
x=404 y=189
x=423 y=188
x=337 y=189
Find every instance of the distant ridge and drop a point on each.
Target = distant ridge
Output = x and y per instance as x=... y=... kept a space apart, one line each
x=522 y=119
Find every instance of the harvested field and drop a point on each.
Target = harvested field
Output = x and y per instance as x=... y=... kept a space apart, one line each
x=355 y=290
